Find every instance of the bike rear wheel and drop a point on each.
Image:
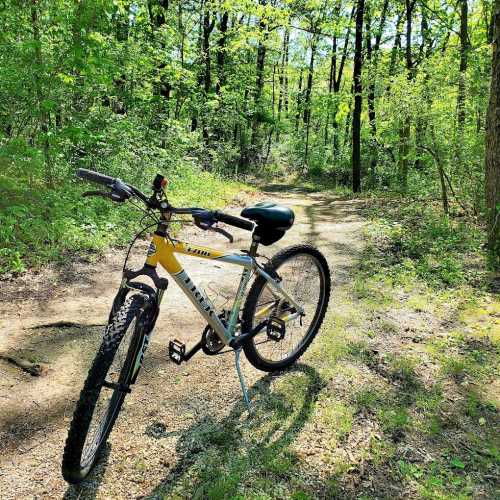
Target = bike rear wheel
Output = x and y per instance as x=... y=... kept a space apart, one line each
x=105 y=389
x=306 y=277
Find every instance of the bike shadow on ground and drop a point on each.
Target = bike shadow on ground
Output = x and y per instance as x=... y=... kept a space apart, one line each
x=221 y=452
x=89 y=488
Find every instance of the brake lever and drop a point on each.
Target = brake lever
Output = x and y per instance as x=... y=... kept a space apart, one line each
x=225 y=233
x=207 y=226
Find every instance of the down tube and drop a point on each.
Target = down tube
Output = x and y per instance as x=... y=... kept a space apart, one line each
x=202 y=303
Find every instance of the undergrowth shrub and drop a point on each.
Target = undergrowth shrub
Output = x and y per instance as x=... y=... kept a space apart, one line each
x=419 y=241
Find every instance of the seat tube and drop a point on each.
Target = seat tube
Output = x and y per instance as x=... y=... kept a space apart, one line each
x=233 y=318
x=245 y=278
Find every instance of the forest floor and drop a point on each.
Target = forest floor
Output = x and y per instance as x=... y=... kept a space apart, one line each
x=396 y=398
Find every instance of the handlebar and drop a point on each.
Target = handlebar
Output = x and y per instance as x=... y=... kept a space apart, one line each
x=90 y=175
x=234 y=221
x=120 y=191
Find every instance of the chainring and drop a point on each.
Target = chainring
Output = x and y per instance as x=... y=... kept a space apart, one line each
x=211 y=344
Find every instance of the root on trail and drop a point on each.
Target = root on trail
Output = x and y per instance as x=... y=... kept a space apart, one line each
x=35 y=369
x=65 y=324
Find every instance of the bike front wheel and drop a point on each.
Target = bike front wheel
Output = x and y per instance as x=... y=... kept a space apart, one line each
x=305 y=277
x=105 y=388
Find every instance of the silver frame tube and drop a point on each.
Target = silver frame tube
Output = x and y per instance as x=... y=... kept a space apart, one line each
x=205 y=307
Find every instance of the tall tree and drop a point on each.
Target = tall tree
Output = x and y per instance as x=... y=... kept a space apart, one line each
x=335 y=79
x=259 y=80
x=492 y=156
x=464 y=50
x=358 y=99
x=405 y=128
x=283 y=76
x=43 y=113
x=372 y=56
x=307 y=93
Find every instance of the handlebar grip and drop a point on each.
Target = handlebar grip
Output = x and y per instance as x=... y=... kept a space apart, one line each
x=234 y=221
x=90 y=175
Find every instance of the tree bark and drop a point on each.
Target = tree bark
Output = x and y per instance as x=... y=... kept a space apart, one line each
x=308 y=92
x=157 y=19
x=208 y=26
x=337 y=80
x=492 y=156
x=299 y=101
x=356 y=115
x=372 y=57
x=259 y=81
x=464 y=50
x=221 y=53
x=405 y=129
x=283 y=79
x=42 y=112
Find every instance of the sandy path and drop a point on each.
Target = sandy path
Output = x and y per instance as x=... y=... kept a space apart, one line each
x=169 y=400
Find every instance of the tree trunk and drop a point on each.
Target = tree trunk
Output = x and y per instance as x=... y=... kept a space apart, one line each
x=356 y=115
x=259 y=82
x=464 y=49
x=421 y=121
x=283 y=82
x=337 y=80
x=307 y=99
x=396 y=47
x=221 y=77
x=207 y=72
x=42 y=112
x=372 y=57
x=299 y=103
x=492 y=156
x=221 y=53
x=179 y=93
x=157 y=20
x=405 y=129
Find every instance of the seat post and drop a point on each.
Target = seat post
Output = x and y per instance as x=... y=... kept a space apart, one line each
x=254 y=246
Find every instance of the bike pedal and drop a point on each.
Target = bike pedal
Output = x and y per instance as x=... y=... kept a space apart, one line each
x=276 y=328
x=176 y=351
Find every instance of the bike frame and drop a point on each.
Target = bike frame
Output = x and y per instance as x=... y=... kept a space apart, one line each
x=162 y=251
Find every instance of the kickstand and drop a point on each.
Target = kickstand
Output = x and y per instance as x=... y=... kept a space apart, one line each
x=242 y=380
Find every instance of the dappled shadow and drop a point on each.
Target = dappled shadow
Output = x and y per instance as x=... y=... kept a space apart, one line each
x=429 y=429
x=38 y=402
x=270 y=434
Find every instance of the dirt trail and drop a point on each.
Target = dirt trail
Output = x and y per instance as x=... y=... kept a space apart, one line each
x=35 y=411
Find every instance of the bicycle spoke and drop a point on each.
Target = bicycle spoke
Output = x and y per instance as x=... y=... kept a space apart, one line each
x=301 y=279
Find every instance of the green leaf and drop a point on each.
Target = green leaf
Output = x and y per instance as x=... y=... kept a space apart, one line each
x=457 y=463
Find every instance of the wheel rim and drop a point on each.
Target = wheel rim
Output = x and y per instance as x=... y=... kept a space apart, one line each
x=304 y=279
x=107 y=400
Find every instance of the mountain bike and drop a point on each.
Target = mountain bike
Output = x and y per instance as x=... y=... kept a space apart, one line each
x=282 y=312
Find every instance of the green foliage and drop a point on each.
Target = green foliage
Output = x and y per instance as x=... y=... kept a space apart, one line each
x=425 y=244
x=123 y=87
x=40 y=225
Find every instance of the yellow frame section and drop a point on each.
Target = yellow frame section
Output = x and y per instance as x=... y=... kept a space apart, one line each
x=162 y=251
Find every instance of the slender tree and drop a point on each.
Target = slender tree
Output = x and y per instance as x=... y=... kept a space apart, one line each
x=357 y=89
x=43 y=114
x=308 y=92
x=464 y=50
x=259 y=81
x=405 y=129
x=372 y=56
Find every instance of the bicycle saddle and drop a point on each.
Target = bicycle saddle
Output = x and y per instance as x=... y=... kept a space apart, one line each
x=270 y=215
x=272 y=220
